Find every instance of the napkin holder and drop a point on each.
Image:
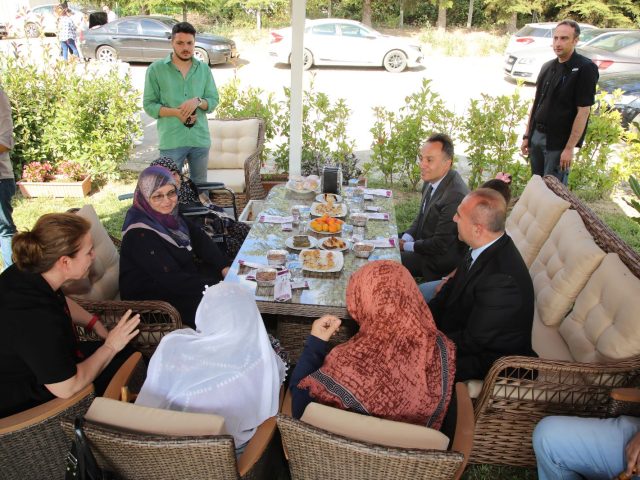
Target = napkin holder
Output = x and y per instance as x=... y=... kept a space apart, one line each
x=331 y=179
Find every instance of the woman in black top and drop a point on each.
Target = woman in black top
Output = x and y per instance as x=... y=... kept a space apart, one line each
x=40 y=355
x=164 y=256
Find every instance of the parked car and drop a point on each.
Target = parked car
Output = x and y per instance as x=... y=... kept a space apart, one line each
x=534 y=35
x=629 y=102
x=525 y=64
x=333 y=41
x=3 y=30
x=42 y=19
x=148 y=38
x=615 y=53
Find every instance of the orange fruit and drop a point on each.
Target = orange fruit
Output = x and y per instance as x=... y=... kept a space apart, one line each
x=334 y=228
x=325 y=228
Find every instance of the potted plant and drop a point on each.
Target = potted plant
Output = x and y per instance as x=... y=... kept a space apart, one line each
x=41 y=179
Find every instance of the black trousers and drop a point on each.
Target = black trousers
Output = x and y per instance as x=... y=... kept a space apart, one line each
x=102 y=381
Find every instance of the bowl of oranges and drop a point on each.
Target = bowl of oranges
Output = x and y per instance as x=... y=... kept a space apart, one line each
x=326 y=224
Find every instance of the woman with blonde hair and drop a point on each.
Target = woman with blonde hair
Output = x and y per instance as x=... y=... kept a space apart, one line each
x=40 y=355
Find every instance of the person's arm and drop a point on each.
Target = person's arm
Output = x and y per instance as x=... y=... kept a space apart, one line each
x=446 y=231
x=632 y=454
x=6 y=124
x=579 y=124
x=87 y=371
x=315 y=350
x=524 y=146
x=207 y=250
x=210 y=95
x=82 y=318
x=151 y=99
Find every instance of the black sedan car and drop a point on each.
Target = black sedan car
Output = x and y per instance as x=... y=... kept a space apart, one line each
x=148 y=38
x=629 y=103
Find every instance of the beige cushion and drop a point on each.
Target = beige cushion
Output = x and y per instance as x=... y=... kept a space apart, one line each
x=533 y=217
x=232 y=142
x=155 y=421
x=233 y=179
x=563 y=266
x=102 y=283
x=474 y=387
x=547 y=342
x=374 y=430
x=603 y=324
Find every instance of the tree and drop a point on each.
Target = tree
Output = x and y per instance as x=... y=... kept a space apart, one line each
x=507 y=12
x=366 y=12
x=601 y=12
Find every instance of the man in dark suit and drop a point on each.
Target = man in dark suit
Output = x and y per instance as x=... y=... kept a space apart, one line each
x=430 y=247
x=487 y=307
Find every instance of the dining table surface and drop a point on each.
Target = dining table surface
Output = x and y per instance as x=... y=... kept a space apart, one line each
x=326 y=292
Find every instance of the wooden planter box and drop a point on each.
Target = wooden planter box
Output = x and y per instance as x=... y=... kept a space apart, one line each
x=272 y=180
x=56 y=189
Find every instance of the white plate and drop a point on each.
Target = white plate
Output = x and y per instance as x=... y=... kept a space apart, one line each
x=299 y=187
x=346 y=244
x=340 y=209
x=322 y=255
x=320 y=198
x=289 y=243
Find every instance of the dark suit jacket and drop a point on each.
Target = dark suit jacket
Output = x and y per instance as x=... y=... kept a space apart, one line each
x=487 y=311
x=435 y=232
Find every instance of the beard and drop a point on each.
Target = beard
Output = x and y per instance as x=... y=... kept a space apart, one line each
x=181 y=55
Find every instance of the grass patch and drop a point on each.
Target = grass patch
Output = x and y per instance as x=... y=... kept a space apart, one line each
x=495 y=472
x=628 y=230
x=462 y=43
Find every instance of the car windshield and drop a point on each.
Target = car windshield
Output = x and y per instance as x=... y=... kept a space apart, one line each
x=613 y=43
x=531 y=31
x=169 y=22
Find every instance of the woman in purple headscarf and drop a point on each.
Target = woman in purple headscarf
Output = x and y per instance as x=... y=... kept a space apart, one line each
x=163 y=256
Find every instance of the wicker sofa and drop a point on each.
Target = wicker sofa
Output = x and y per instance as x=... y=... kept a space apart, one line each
x=587 y=294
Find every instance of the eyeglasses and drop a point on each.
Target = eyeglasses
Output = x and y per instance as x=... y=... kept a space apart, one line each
x=159 y=197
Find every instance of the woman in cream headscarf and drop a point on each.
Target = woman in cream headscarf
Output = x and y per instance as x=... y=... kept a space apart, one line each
x=226 y=367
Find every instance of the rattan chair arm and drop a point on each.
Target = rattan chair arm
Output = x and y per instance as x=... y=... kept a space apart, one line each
x=630 y=395
x=39 y=413
x=465 y=423
x=533 y=366
x=122 y=376
x=256 y=446
x=137 y=306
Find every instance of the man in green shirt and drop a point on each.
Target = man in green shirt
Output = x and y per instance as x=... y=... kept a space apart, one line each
x=179 y=91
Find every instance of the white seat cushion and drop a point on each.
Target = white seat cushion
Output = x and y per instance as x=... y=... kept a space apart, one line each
x=154 y=421
x=547 y=342
x=563 y=266
x=233 y=179
x=232 y=142
x=374 y=430
x=603 y=324
x=102 y=283
x=533 y=217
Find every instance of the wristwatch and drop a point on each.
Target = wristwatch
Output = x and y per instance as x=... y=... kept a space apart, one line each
x=199 y=102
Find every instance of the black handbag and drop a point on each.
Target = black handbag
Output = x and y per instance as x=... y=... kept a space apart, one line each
x=81 y=464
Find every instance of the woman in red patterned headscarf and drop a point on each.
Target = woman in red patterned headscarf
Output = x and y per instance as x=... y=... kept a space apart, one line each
x=398 y=366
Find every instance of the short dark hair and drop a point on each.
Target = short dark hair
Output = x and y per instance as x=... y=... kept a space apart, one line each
x=490 y=209
x=445 y=141
x=573 y=24
x=182 y=27
x=500 y=186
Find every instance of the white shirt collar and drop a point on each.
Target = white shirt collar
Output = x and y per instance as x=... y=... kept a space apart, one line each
x=475 y=253
x=434 y=185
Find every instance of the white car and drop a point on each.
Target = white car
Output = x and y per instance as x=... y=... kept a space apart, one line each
x=42 y=19
x=525 y=64
x=534 y=35
x=333 y=41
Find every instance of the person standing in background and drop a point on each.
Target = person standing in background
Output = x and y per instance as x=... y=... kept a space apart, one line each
x=67 y=32
x=111 y=15
x=7 y=179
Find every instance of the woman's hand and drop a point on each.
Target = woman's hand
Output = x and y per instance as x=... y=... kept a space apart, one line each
x=123 y=332
x=225 y=270
x=325 y=327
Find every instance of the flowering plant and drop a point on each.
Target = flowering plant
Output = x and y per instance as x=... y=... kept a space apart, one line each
x=71 y=171
x=37 y=172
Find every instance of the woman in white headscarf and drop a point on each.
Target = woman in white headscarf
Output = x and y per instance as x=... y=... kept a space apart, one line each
x=227 y=366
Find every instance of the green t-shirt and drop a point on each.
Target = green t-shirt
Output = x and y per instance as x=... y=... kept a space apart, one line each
x=165 y=86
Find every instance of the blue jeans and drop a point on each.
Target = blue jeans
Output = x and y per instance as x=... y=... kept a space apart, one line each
x=428 y=289
x=7 y=227
x=569 y=448
x=198 y=158
x=69 y=45
x=543 y=161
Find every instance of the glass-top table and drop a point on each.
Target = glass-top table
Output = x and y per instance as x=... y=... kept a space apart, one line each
x=326 y=292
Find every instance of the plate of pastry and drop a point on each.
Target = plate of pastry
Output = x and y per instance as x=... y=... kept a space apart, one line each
x=328 y=198
x=321 y=261
x=300 y=242
x=334 y=243
x=319 y=209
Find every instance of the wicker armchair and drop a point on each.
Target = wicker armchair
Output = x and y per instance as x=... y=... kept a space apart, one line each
x=32 y=444
x=519 y=391
x=234 y=158
x=99 y=293
x=314 y=453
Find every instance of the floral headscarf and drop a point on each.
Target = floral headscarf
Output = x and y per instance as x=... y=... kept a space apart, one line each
x=171 y=227
x=399 y=366
x=187 y=193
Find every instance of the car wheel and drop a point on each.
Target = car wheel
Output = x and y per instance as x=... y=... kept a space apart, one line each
x=31 y=30
x=395 y=61
x=307 y=60
x=105 y=53
x=202 y=55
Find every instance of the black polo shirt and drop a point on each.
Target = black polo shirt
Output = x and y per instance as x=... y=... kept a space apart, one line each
x=37 y=345
x=562 y=88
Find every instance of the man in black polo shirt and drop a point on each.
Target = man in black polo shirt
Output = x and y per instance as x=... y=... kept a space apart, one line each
x=564 y=95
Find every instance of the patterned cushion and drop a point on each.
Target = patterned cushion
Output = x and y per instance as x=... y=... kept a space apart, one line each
x=603 y=324
x=533 y=217
x=374 y=430
x=563 y=266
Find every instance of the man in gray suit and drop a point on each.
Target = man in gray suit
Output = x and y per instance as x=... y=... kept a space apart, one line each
x=430 y=248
